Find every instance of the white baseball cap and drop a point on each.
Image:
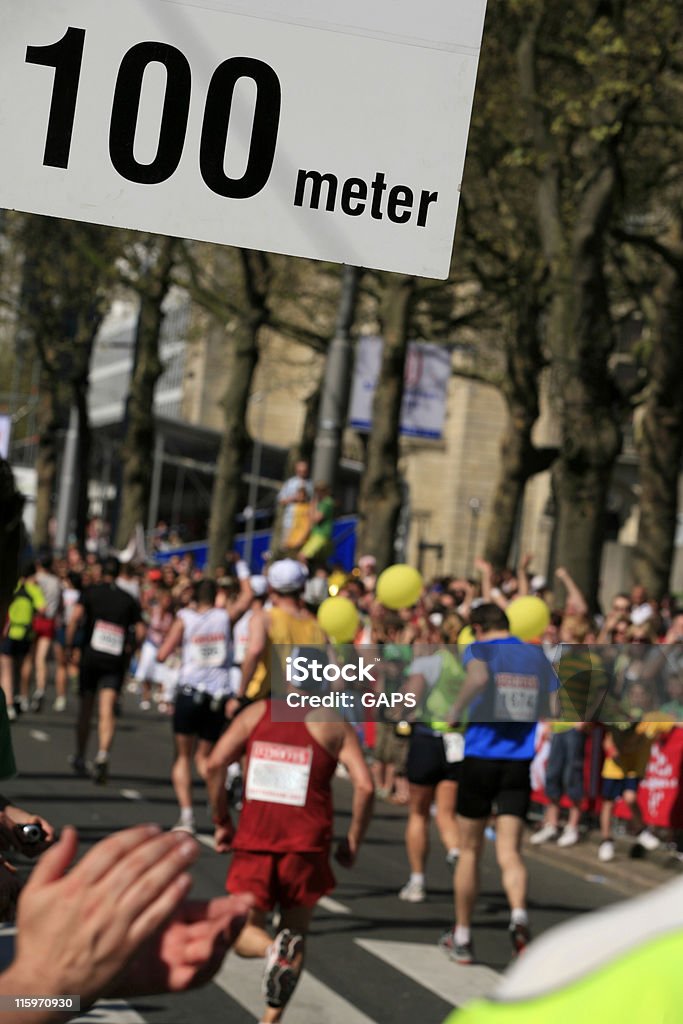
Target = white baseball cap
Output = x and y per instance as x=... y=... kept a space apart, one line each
x=259 y=585
x=287 y=576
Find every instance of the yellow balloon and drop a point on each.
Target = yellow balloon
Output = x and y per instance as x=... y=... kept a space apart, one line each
x=399 y=586
x=465 y=638
x=528 y=617
x=339 y=618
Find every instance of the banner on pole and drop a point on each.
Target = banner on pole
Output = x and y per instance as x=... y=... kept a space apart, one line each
x=425 y=389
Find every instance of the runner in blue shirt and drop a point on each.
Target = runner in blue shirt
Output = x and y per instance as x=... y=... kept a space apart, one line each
x=509 y=686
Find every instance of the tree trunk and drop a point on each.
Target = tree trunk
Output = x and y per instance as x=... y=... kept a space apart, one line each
x=138 y=445
x=519 y=461
x=573 y=212
x=380 y=498
x=227 y=497
x=49 y=423
x=659 y=440
x=591 y=430
x=519 y=458
x=11 y=505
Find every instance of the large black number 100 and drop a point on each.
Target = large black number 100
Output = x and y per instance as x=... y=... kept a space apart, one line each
x=66 y=57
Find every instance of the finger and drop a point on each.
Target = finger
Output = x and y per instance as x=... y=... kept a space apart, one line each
x=47 y=829
x=155 y=912
x=198 y=910
x=54 y=862
x=150 y=871
x=111 y=851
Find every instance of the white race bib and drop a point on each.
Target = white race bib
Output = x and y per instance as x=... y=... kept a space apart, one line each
x=279 y=773
x=516 y=697
x=108 y=638
x=454 y=746
x=208 y=651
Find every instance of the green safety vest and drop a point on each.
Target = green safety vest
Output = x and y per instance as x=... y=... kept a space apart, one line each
x=442 y=695
x=644 y=985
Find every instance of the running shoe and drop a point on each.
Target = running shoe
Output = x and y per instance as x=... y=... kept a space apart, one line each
x=520 y=937
x=100 y=773
x=569 y=837
x=459 y=952
x=37 y=700
x=606 y=851
x=648 y=840
x=413 y=892
x=145 y=705
x=11 y=713
x=59 y=704
x=283 y=967
x=183 y=825
x=79 y=766
x=452 y=857
x=24 y=705
x=544 y=835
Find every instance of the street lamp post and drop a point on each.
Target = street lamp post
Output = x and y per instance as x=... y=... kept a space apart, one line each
x=337 y=382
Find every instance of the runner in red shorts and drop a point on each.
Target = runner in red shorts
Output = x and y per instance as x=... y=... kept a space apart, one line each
x=281 y=848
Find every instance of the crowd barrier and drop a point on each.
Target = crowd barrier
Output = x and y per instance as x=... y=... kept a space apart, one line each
x=660 y=795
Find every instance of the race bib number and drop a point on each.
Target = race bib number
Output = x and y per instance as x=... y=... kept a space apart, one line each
x=279 y=773
x=108 y=638
x=516 y=697
x=454 y=746
x=208 y=651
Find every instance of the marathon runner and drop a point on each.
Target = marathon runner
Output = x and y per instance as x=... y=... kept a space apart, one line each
x=205 y=633
x=285 y=623
x=282 y=845
x=108 y=613
x=509 y=685
x=434 y=758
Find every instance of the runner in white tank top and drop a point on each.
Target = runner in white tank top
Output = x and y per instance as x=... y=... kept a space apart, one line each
x=205 y=633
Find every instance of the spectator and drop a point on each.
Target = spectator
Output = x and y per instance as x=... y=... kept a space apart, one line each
x=287 y=495
x=318 y=547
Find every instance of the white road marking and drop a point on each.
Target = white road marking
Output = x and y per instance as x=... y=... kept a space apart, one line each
x=131 y=794
x=312 y=1002
x=38 y=734
x=332 y=907
x=110 y=1012
x=429 y=967
x=206 y=839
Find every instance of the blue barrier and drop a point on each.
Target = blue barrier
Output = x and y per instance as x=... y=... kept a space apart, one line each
x=343 y=553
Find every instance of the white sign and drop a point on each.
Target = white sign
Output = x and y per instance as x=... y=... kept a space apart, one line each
x=5 y=434
x=425 y=387
x=330 y=130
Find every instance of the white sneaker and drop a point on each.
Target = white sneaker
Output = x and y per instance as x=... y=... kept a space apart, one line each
x=648 y=840
x=413 y=892
x=185 y=826
x=569 y=837
x=544 y=835
x=606 y=851
x=24 y=704
x=59 y=704
x=11 y=713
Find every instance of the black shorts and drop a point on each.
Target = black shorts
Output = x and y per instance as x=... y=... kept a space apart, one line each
x=14 y=648
x=484 y=782
x=427 y=764
x=196 y=714
x=91 y=679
